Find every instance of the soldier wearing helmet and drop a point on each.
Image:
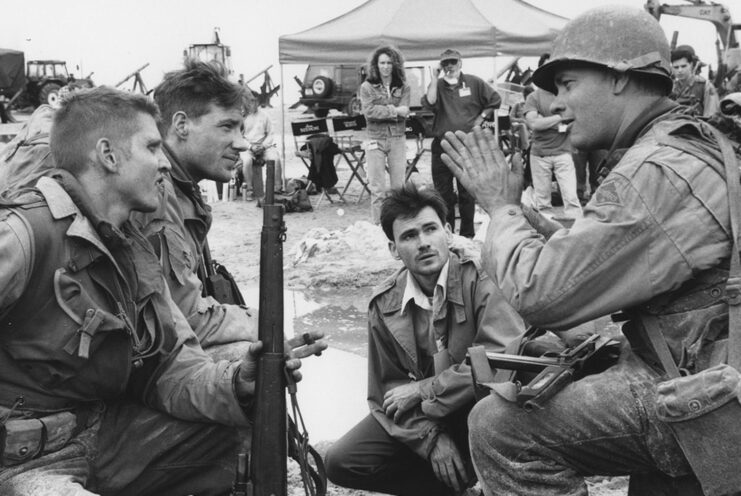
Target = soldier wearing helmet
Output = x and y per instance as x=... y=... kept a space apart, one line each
x=691 y=89
x=653 y=247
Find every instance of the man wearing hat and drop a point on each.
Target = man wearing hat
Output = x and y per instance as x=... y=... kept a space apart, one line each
x=691 y=89
x=460 y=102
x=654 y=249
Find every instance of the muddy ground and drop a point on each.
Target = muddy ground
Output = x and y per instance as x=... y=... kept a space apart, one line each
x=331 y=248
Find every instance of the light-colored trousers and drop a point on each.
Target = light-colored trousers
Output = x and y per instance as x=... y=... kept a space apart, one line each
x=391 y=150
x=562 y=166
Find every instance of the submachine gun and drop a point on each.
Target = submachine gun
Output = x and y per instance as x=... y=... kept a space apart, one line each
x=536 y=379
x=264 y=472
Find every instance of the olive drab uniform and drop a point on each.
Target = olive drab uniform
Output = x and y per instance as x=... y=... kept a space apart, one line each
x=178 y=229
x=697 y=94
x=87 y=321
x=653 y=248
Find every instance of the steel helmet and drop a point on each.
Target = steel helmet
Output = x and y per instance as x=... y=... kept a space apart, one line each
x=617 y=37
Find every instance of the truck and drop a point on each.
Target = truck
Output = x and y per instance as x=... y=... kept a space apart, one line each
x=32 y=83
x=335 y=86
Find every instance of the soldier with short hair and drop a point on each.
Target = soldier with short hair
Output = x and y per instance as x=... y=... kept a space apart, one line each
x=655 y=243
x=690 y=89
x=104 y=388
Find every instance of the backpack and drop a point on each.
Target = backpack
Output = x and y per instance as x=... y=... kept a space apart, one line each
x=27 y=156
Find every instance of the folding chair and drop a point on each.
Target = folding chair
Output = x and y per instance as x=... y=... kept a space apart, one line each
x=415 y=129
x=351 y=149
x=303 y=131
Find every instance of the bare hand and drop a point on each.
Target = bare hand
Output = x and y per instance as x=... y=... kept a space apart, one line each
x=402 y=111
x=479 y=164
x=447 y=463
x=309 y=343
x=247 y=372
x=401 y=399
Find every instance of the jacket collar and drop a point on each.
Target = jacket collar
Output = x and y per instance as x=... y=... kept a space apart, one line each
x=61 y=205
x=395 y=286
x=184 y=182
x=664 y=109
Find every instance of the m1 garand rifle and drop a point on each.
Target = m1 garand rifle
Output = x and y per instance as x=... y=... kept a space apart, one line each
x=265 y=472
x=536 y=379
x=275 y=434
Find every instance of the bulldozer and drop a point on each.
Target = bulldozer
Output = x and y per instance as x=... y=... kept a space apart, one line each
x=727 y=40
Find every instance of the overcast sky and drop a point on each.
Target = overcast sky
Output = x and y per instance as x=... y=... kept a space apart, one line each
x=113 y=38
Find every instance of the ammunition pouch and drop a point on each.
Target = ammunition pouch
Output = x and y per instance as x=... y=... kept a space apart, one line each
x=24 y=439
x=703 y=410
x=222 y=287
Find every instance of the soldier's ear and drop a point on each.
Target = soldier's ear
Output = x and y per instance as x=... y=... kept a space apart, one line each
x=619 y=82
x=179 y=124
x=393 y=250
x=105 y=155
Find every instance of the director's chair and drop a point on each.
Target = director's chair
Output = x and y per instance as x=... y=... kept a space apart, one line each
x=345 y=130
x=303 y=131
x=415 y=129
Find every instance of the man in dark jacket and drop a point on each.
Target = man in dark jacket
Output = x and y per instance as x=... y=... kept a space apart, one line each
x=460 y=102
x=420 y=323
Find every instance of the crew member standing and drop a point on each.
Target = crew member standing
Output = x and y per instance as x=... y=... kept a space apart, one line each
x=460 y=102
x=384 y=97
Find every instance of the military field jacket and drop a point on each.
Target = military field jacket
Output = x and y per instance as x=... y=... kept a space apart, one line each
x=658 y=222
x=74 y=317
x=178 y=229
x=475 y=313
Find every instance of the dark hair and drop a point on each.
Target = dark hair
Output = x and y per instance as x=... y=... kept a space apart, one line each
x=684 y=52
x=407 y=201
x=86 y=115
x=193 y=89
x=398 y=76
x=527 y=90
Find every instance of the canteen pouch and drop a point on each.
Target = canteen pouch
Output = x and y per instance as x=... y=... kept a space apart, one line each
x=704 y=412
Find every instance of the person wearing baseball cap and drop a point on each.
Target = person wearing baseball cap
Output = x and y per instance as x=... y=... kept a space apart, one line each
x=460 y=102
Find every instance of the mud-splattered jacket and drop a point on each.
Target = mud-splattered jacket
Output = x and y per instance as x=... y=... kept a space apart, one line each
x=87 y=317
x=654 y=240
x=178 y=229
x=475 y=313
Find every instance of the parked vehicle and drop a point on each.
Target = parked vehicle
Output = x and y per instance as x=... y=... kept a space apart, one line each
x=39 y=83
x=328 y=86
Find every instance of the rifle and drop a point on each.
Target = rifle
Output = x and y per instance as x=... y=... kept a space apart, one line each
x=268 y=461
x=552 y=371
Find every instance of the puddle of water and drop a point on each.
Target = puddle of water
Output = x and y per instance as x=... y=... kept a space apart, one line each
x=333 y=392
x=341 y=314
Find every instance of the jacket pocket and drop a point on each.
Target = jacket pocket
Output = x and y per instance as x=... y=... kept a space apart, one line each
x=703 y=411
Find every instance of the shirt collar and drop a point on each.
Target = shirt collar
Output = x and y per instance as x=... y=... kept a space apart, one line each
x=413 y=292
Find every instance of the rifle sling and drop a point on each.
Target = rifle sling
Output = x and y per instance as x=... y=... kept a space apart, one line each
x=733 y=287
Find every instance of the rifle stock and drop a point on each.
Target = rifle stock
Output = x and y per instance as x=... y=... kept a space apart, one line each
x=268 y=460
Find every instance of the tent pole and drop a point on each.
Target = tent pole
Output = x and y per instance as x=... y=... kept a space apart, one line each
x=282 y=127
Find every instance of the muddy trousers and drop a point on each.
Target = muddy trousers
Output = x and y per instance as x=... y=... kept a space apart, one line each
x=367 y=458
x=601 y=425
x=443 y=181
x=133 y=450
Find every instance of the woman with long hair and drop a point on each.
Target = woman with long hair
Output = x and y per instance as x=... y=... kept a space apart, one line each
x=385 y=102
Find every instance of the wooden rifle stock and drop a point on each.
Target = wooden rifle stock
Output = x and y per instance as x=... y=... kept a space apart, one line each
x=268 y=460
